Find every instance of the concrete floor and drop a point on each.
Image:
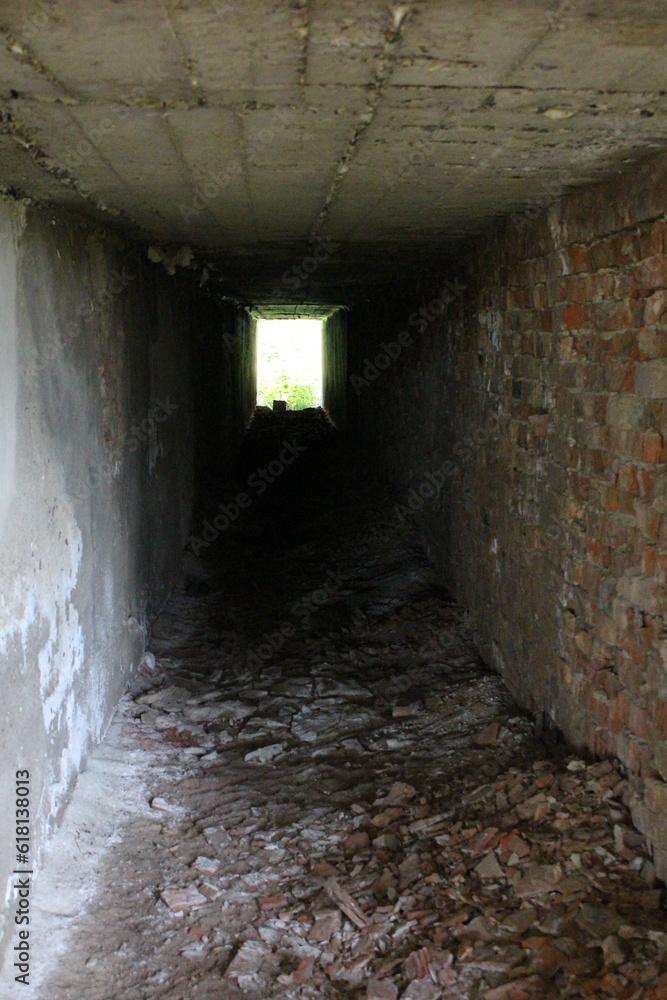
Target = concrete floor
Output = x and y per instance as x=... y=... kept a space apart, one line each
x=356 y=810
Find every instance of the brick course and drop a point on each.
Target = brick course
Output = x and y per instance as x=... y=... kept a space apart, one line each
x=553 y=530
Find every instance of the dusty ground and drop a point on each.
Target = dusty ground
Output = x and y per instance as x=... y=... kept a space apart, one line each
x=355 y=810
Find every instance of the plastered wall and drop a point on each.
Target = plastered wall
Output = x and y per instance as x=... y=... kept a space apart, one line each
x=98 y=381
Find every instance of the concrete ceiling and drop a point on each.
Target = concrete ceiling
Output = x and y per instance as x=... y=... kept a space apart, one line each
x=247 y=128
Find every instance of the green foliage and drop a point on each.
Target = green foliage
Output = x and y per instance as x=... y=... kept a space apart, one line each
x=281 y=385
x=289 y=363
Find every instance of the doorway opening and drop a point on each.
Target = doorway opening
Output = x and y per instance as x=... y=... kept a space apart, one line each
x=289 y=362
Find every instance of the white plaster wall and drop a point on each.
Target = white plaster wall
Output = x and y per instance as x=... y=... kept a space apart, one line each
x=90 y=527
x=11 y=221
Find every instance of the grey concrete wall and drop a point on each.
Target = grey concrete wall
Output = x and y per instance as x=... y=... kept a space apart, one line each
x=225 y=389
x=240 y=379
x=96 y=490
x=334 y=367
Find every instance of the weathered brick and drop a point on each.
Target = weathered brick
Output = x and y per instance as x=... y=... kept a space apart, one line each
x=600 y=708
x=649 y=560
x=660 y=230
x=628 y=478
x=579 y=259
x=658 y=991
x=650 y=241
x=651 y=379
x=572 y=317
x=612 y=498
x=619 y=710
x=603 y=254
x=625 y=248
x=660 y=755
x=625 y=412
x=635 y=648
x=577 y=288
x=639 y=722
x=636 y=755
x=622 y=343
x=650 y=344
x=650 y=275
x=609 y=683
x=602 y=742
x=640 y=592
x=622 y=286
x=649 y=520
x=579 y=463
x=620 y=376
x=650 y=447
x=626 y=502
x=655 y=307
x=612 y=315
x=660 y=712
x=659 y=416
x=605 y=285
x=606 y=628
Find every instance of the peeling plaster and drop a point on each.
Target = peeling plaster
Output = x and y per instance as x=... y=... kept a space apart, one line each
x=11 y=224
x=75 y=568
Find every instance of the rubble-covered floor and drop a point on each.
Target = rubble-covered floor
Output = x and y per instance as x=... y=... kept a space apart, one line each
x=356 y=808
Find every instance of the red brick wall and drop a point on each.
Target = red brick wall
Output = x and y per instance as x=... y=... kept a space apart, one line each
x=545 y=388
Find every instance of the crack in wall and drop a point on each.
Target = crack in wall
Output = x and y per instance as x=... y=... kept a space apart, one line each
x=187 y=61
x=243 y=150
x=22 y=53
x=9 y=126
x=384 y=65
x=42 y=159
x=303 y=32
x=186 y=170
x=553 y=19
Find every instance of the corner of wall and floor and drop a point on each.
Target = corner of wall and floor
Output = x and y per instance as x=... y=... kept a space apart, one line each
x=106 y=361
x=524 y=412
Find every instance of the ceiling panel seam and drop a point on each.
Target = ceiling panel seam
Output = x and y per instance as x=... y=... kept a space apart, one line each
x=382 y=70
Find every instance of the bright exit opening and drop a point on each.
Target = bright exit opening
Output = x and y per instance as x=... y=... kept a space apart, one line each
x=289 y=362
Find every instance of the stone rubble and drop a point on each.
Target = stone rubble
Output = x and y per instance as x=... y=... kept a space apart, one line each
x=364 y=814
